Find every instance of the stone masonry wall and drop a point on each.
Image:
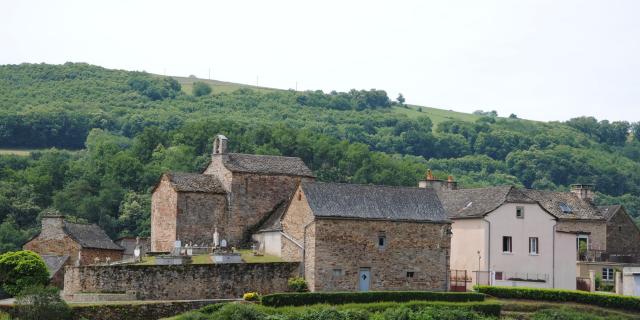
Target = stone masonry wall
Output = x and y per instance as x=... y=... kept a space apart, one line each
x=164 y=206
x=343 y=247
x=181 y=282
x=89 y=255
x=596 y=228
x=623 y=236
x=59 y=245
x=298 y=215
x=198 y=216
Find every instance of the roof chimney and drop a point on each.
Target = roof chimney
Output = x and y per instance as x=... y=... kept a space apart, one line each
x=52 y=224
x=431 y=182
x=220 y=144
x=583 y=191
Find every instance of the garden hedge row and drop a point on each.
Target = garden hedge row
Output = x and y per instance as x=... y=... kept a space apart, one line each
x=308 y=298
x=557 y=295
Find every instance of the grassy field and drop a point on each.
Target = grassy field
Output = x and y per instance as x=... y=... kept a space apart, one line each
x=436 y=115
x=16 y=152
x=247 y=256
x=217 y=86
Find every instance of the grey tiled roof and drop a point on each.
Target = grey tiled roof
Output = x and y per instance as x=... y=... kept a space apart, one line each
x=195 y=182
x=90 y=236
x=472 y=203
x=373 y=202
x=608 y=211
x=552 y=201
x=273 y=220
x=251 y=163
x=54 y=263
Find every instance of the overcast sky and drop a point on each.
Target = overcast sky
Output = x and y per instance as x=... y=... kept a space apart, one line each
x=543 y=60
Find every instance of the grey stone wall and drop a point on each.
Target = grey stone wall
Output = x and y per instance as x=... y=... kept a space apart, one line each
x=198 y=216
x=596 y=228
x=181 y=282
x=623 y=236
x=164 y=207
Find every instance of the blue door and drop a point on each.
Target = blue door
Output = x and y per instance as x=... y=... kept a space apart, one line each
x=364 y=279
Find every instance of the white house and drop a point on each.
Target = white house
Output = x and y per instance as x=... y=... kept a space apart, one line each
x=501 y=236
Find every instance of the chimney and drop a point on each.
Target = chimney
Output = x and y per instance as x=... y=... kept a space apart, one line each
x=431 y=182
x=220 y=144
x=52 y=224
x=583 y=191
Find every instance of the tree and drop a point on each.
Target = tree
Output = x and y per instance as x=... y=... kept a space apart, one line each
x=201 y=89
x=513 y=116
x=42 y=303
x=22 y=269
x=400 y=99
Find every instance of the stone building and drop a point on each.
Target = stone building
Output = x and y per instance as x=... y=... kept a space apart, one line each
x=363 y=237
x=623 y=235
x=234 y=195
x=129 y=245
x=72 y=243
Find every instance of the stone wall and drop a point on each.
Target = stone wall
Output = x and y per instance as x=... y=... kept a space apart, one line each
x=60 y=246
x=343 y=247
x=164 y=206
x=298 y=216
x=181 y=282
x=623 y=236
x=596 y=228
x=199 y=214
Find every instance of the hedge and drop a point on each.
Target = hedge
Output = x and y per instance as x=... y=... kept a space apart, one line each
x=484 y=307
x=308 y=298
x=557 y=295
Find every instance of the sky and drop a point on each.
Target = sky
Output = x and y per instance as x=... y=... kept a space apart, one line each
x=541 y=60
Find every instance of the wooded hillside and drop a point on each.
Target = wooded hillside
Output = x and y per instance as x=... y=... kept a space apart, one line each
x=106 y=136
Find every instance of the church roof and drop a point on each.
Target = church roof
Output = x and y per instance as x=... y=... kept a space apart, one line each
x=90 y=236
x=373 y=202
x=195 y=182
x=263 y=164
x=273 y=221
x=475 y=203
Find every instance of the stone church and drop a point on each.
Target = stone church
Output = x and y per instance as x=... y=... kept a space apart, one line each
x=234 y=195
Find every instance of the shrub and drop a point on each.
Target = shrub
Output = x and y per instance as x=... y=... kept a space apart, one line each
x=565 y=314
x=251 y=296
x=237 y=311
x=308 y=298
x=297 y=284
x=555 y=295
x=201 y=89
x=42 y=303
x=22 y=269
x=212 y=308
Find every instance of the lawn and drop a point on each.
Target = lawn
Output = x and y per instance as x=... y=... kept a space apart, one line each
x=16 y=152
x=217 y=86
x=247 y=256
x=436 y=115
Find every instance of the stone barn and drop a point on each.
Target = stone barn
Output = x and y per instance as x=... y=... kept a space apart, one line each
x=363 y=237
x=234 y=195
x=61 y=243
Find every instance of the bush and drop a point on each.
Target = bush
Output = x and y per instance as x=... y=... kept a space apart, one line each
x=565 y=314
x=42 y=303
x=298 y=284
x=251 y=296
x=555 y=295
x=212 y=308
x=237 y=311
x=201 y=89
x=308 y=298
x=22 y=269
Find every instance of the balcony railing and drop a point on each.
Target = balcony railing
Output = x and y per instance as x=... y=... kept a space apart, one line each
x=592 y=255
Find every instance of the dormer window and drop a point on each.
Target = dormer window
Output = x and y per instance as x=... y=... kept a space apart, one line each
x=520 y=212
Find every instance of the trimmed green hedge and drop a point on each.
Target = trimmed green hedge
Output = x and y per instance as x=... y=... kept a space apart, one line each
x=557 y=295
x=308 y=298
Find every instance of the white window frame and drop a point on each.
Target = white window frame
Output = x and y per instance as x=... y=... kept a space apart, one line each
x=582 y=236
x=521 y=210
x=509 y=244
x=608 y=274
x=534 y=243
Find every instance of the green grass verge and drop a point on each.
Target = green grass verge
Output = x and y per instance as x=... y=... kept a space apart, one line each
x=248 y=257
x=334 y=298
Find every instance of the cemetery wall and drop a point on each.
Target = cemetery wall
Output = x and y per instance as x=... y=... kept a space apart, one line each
x=181 y=282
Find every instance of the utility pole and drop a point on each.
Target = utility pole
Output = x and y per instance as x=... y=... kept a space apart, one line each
x=209 y=73
x=478 y=275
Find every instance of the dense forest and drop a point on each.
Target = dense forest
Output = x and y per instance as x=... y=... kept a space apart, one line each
x=101 y=138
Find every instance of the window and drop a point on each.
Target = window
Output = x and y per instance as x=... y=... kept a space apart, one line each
x=520 y=212
x=565 y=208
x=582 y=241
x=409 y=274
x=498 y=275
x=533 y=246
x=337 y=273
x=619 y=228
x=382 y=240
x=507 y=244
x=607 y=274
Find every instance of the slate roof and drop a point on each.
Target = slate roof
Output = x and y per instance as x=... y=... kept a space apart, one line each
x=273 y=222
x=54 y=263
x=90 y=236
x=552 y=201
x=277 y=165
x=608 y=211
x=474 y=203
x=373 y=202
x=195 y=182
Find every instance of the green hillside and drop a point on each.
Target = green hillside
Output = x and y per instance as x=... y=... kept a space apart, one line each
x=98 y=139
